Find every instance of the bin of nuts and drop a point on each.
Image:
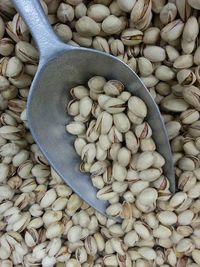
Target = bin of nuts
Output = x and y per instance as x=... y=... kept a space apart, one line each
x=42 y=221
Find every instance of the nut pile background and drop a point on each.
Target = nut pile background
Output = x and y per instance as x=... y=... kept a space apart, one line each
x=42 y=222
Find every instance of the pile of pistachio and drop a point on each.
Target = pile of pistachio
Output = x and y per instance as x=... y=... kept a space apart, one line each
x=115 y=144
x=42 y=222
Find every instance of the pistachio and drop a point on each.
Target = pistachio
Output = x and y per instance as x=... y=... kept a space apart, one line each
x=65 y=13
x=172 y=30
x=113 y=88
x=114 y=105
x=26 y=52
x=164 y=73
x=168 y=13
x=76 y=128
x=137 y=106
x=111 y=24
x=154 y=53
x=191 y=95
x=121 y=122
x=143 y=131
x=98 y=12
x=86 y=26
x=145 y=66
x=183 y=61
x=131 y=37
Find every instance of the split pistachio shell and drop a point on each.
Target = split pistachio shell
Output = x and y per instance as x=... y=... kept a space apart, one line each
x=168 y=13
x=137 y=106
x=114 y=105
x=172 y=30
x=113 y=88
x=191 y=95
x=131 y=37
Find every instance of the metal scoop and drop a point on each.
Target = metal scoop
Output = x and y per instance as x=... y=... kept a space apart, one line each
x=62 y=67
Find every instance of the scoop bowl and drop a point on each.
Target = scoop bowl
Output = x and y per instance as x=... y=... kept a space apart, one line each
x=62 y=67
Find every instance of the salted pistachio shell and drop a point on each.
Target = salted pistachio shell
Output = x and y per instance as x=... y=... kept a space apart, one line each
x=150 y=174
x=143 y=131
x=63 y=31
x=85 y=106
x=131 y=37
x=172 y=53
x=191 y=95
x=172 y=31
x=75 y=128
x=106 y=193
x=98 y=12
x=111 y=25
x=151 y=35
x=189 y=116
x=96 y=84
x=119 y=172
x=114 y=135
x=174 y=104
x=101 y=44
x=131 y=141
x=26 y=52
x=14 y=67
x=184 y=9
x=73 y=107
x=104 y=123
x=196 y=256
x=126 y=5
x=148 y=196
x=164 y=73
x=144 y=161
x=65 y=13
x=186 y=77
x=137 y=106
x=147 y=144
x=113 y=88
x=114 y=105
x=145 y=66
x=4 y=83
x=194 y=129
x=79 y=91
x=173 y=128
x=191 y=29
x=134 y=118
x=154 y=53
x=168 y=13
x=124 y=156
x=121 y=122
x=167 y=217
x=87 y=26
x=183 y=61
x=162 y=232
x=194 y=4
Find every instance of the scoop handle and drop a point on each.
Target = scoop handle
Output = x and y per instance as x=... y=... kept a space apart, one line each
x=46 y=40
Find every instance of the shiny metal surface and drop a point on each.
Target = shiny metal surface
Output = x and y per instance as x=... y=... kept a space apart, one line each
x=62 y=67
